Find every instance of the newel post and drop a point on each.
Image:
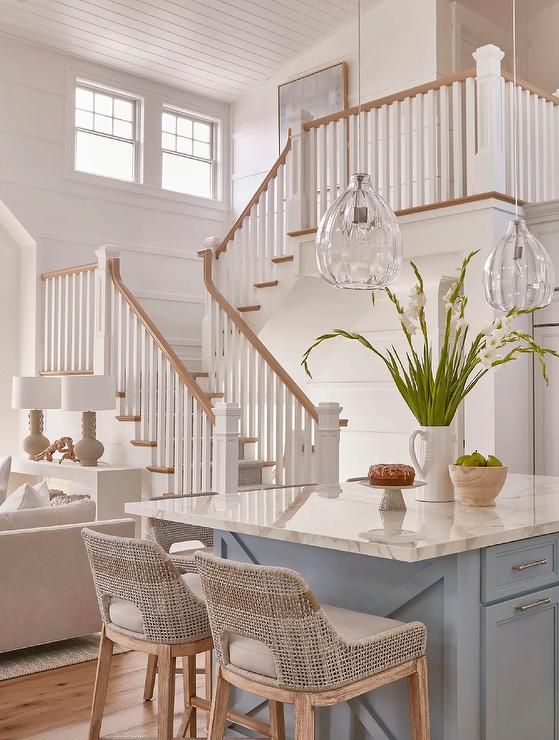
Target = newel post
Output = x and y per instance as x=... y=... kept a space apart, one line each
x=226 y=447
x=488 y=168
x=328 y=443
x=102 y=311
x=297 y=207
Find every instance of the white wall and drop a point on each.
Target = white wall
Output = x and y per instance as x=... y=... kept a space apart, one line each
x=399 y=50
x=69 y=214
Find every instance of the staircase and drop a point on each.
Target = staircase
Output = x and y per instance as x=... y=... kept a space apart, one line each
x=243 y=420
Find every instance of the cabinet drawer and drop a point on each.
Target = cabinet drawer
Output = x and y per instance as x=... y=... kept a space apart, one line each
x=520 y=667
x=517 y=567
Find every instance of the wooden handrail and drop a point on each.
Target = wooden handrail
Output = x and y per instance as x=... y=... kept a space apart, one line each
x=388 y=99
x=531 y=88
x=69 y=271
x=244 y=328
x=174 y=360
x=263 y=185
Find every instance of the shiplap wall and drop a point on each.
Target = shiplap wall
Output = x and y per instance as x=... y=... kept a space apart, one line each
x=69 y=215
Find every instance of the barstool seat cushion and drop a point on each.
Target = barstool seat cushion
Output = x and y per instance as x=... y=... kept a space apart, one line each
x=126 y=615
x=255 y=657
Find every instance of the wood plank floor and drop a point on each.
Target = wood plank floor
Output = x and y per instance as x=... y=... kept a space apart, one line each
x=55 y=705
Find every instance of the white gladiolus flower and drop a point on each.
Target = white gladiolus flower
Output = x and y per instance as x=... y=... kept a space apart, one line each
x=448 y=294
x=487 y=358
x=457 y=322
x=408 y=324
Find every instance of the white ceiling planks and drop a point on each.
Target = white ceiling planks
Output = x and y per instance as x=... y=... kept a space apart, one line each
x=215 y=47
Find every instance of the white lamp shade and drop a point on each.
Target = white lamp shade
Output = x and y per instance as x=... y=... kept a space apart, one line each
x=88 y=392
x=35 y=393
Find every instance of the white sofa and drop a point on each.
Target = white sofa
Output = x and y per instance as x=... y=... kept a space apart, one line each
x=46 y=589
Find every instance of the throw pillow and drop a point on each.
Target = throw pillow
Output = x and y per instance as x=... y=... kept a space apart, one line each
x=26 y=497
x=5 y=465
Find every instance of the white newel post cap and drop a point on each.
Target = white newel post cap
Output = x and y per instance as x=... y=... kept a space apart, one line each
x=488 y=60
x=106 y=252
x=329 y=416
x=227 y=418
x=296 y=119
x=556 y=93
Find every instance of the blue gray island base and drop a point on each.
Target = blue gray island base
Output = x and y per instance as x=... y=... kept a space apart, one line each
x=492 y=635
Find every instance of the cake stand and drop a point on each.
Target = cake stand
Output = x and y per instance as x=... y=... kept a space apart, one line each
x=393 y=499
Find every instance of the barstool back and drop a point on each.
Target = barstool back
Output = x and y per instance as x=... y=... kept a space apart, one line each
x=140 y=572
x=167 y=533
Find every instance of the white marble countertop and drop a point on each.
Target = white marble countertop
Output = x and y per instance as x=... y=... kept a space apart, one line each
x=347 y=518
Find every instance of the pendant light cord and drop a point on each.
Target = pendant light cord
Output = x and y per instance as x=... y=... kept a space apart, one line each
x=514 y=112
x=359 y=86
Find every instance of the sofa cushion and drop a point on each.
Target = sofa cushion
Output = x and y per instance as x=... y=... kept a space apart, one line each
x=27 y=497
x=48 y=516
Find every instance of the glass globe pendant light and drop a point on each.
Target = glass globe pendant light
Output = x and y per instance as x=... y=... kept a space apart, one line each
x=358 y=241
x=519 y=272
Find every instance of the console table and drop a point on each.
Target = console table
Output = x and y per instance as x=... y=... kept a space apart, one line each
x=110 y=486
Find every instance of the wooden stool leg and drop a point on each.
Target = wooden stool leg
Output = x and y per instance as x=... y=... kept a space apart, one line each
x=101 y=683
x=151 y=672
x=208 y=672
x=166 y=693
x=218 y=712
x=304 y=718
x=418 y=692
x=189 y=683
x=277 y=721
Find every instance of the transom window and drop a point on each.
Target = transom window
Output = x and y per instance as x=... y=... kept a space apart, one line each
x=188 y=159
x=105 y=133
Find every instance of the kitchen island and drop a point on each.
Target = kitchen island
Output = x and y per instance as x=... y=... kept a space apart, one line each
x=485 y=581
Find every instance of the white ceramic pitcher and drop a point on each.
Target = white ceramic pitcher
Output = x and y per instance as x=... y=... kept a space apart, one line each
x=434 y=455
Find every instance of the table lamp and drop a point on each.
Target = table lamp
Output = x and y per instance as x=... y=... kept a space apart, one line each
x=35 y=394
x=88 y=394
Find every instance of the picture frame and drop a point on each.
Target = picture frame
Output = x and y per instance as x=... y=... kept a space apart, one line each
x=320 y=93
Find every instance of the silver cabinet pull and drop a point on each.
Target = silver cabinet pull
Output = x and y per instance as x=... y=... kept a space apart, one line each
x=526 y=566
x=540 y=602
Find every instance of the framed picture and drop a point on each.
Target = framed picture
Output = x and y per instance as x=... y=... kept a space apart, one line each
x=320 y=93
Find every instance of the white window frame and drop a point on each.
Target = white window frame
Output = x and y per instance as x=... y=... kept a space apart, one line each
x=136 y=128
x=215 y=147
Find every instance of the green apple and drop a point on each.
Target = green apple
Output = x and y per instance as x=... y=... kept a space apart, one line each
x=460 y=460
x=475 y=460
x=494 y=462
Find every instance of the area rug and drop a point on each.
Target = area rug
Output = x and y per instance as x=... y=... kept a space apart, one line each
x=53 y=655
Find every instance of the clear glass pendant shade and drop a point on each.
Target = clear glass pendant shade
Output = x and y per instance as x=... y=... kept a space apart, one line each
x=358 y=242
x=519 y=271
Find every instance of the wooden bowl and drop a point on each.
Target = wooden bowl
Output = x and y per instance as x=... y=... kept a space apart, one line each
x=478 y=486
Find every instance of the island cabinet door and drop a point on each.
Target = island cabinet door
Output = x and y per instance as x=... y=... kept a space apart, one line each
x=520 y=668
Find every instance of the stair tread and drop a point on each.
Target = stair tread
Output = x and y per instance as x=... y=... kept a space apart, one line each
x=143 y=442
x=246 y=309
x=285 y=258
x=268 y=284
x=248 y=440
x=160 y=469
x=257 y=463
x=200 y=374
x=128 y=418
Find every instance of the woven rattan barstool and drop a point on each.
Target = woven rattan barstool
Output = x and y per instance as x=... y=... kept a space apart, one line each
x=146 y=604
x=272 y=638
x=168 y=534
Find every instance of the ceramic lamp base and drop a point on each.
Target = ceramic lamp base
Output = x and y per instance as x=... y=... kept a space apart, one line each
x=36 y=441
x=89 y=450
